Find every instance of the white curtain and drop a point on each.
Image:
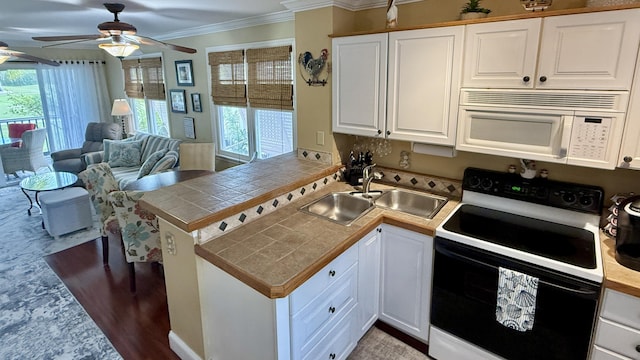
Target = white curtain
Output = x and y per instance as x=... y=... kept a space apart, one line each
x=73 y=95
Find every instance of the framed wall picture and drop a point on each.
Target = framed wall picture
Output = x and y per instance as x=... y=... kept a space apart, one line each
x=189 y=128
x=178 y=103
x=196 y=105
x=184 y=72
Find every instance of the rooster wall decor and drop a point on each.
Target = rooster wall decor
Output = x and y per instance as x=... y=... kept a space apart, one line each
x=314 y=67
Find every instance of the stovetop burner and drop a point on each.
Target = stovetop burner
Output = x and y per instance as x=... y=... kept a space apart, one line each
x=554 y=241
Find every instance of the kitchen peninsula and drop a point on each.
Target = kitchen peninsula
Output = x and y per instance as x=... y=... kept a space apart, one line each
x=238 y=261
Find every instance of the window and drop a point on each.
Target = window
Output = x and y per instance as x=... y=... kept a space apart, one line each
x=144 y=85
x=252 y=92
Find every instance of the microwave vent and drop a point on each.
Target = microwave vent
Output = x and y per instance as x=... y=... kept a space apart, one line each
x=612 y=101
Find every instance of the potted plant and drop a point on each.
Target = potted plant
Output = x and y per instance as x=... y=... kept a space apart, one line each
x=472 y=10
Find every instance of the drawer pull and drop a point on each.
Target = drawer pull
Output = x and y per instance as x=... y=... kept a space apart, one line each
x=332 y=356
x=332 y=273
x=333 y=309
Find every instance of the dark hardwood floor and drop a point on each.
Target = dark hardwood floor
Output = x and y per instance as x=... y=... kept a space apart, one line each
x=136 y=324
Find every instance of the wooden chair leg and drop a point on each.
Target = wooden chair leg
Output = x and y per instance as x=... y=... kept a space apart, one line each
x=105 y=250
x=132 y=277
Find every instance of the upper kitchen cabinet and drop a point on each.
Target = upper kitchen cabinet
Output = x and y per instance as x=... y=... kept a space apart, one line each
x=629 y=157
x=591 y=51
x=418 y=89
x=423 y=84
x=359 y=86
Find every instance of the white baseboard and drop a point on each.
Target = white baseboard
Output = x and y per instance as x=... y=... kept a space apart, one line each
x=181 y=349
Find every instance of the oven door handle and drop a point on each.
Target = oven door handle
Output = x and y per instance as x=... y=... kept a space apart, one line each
x=452 y=254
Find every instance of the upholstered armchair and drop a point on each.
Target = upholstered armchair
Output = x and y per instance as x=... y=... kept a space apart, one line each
x=100 y=182
x=72 y=160
x=28 y=157
x=139 y=230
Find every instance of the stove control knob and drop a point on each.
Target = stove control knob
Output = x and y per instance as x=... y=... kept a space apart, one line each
x=474 y=181
x=486 y=184
x=586 y=200
x=569 y=198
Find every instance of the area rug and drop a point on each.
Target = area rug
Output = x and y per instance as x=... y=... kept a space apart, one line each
x=39 y=318
x=378 y=345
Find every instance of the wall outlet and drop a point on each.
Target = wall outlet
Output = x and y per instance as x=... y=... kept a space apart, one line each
x=319 y=137
x=171 y=243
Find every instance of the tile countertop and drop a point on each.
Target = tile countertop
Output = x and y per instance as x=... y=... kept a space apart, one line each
x=277 y=253
x=616 y=276
x=196 y=203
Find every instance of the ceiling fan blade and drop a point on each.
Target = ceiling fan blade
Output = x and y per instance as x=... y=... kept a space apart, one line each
x=29 y=57
x=152 y=42
x=69 y=37
x=74 y=42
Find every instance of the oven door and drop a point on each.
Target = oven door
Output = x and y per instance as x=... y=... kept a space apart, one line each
x=463 y=304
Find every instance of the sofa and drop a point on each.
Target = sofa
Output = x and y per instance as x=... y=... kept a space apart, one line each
x=72 y=160
x=138 y=156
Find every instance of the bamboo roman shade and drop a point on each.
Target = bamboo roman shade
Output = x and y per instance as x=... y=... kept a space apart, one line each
x=143 y=78
x=227 y=78
x=270 y=78
x=132 y=79
x=152 y=78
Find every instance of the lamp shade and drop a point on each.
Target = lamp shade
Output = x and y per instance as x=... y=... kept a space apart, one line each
x=119 y=50
x=120 y=108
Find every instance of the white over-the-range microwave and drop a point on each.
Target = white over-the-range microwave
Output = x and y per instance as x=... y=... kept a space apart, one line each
x=570 y=127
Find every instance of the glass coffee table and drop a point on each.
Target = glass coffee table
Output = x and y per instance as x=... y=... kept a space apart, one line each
x=46 y=182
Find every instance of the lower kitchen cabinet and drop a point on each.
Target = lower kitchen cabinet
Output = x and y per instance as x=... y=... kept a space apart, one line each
x=618 y=331
x=386 y=275
x=406 y=267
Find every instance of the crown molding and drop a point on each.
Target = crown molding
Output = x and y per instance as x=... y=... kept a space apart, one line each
x=353 y=5
x=273 y=18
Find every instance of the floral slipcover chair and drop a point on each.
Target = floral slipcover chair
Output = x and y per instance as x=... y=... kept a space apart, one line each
x=139 y=230
x=99 y=182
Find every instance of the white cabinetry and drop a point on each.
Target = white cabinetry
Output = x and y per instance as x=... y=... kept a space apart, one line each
x=618 y=332
x=630 y=148
x=592 y=51
x=368 y=281
x=420 y=94
x=359 y=86
x=407 y=262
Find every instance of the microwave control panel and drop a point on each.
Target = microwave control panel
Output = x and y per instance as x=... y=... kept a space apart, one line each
x=589 y=137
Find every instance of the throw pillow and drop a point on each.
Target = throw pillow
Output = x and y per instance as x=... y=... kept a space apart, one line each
x=148 y=164
x=167 y=162
x=106 y=144
x=124 y=153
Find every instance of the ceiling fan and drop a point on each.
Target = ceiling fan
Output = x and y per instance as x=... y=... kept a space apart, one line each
x=6 y=53
x=123 y=36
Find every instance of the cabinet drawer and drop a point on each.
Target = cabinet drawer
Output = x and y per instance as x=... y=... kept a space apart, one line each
x=604 y=354
x=338 y=343
x=323 y=279
x=618 y=338
x=621 y=308
x=314 y=320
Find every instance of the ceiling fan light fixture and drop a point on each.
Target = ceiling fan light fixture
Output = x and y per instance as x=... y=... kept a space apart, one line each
x=4 y=58
x=119 y=50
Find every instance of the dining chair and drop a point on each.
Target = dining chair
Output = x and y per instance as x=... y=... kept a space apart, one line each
x=100 y=182
x=139 y=230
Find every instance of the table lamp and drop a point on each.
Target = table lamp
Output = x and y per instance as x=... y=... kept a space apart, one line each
x=122 y=110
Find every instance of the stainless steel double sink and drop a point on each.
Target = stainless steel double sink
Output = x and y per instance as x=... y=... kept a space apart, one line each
x=346 y=207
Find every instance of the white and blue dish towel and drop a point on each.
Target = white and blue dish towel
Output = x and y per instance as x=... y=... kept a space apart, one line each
x=516 y=302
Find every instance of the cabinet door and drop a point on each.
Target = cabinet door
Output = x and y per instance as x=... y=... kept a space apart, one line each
x=629 y=157
x=368 y=281
x=501 y=54
x=359 y=84
x=407 y=259
x=594 y=51
x=424 y=81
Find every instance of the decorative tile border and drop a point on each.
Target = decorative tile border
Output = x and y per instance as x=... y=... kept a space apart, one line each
x=323 y=157
x=446 y=187
x=232 y=222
